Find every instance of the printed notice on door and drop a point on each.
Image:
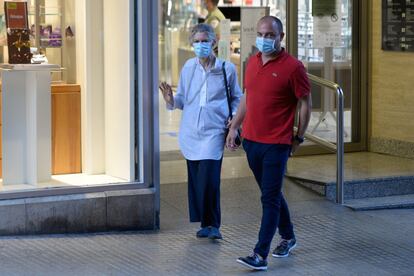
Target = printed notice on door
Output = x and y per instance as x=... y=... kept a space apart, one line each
x=327 y=24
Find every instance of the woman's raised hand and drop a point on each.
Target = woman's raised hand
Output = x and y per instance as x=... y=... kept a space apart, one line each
x=167 y=93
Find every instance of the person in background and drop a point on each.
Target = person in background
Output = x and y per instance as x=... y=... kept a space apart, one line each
x=213 y=18
x=201 y=95
x=276 y=85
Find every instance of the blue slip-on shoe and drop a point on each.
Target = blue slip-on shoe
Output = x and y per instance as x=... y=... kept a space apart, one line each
x=284 y=248
x=214 y=234
x=203 y=232
x=253 y=261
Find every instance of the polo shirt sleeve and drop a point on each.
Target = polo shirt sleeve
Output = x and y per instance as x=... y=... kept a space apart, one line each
x=300 y=82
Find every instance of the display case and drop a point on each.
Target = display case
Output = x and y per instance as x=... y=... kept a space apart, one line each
x=52 y=34
x=46 y=21
x=52 y=37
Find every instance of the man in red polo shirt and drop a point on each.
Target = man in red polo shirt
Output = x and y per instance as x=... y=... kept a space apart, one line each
x=275 y=85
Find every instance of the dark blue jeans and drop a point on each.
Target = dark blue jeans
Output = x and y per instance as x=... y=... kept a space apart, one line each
x=268 y=163
x=204 y=191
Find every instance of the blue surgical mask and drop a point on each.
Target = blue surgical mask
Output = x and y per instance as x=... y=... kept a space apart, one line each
x=202 y=49
x=265 y=45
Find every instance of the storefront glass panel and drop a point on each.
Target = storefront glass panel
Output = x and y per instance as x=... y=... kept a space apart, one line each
x=324 y=41
x=92 y=96
x=325 y=48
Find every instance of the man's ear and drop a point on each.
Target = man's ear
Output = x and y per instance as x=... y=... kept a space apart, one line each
x=282 y=35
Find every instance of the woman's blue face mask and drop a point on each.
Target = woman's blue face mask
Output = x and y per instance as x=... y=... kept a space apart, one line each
x=265 y=45
x=202 y=49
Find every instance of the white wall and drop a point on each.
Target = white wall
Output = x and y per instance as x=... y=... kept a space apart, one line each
x=69 y=51
x=119 y=87
x=90 y=75
x=105 y=70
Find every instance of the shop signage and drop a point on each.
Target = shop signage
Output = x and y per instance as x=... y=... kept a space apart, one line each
x=16 y=15
x=18 y=33
x=398 y=25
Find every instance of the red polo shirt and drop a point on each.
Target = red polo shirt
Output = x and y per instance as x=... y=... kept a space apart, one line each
x=273 y=91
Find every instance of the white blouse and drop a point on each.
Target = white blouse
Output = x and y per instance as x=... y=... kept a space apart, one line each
x=202 y=97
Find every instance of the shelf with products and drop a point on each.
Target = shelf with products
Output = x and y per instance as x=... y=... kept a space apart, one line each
x=46 y=23
x=51 y=24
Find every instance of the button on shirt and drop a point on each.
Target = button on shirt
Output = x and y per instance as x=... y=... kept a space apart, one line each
x=202 y=97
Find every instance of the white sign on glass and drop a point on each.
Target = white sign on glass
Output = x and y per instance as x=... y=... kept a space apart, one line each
x=224 y=42
x=327 y=28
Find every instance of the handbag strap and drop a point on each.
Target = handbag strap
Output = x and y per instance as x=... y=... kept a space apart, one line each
x=227 y=91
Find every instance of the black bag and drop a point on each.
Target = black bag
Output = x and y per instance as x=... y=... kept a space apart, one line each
x=237 y=141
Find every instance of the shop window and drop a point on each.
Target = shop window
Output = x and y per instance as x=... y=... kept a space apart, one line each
x=92 y=95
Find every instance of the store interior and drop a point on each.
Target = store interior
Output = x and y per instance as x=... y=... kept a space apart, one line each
x=89 y=145
x=93 y=92
x=331 y=61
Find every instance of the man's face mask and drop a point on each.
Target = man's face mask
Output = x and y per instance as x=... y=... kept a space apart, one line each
x=202 y=49
x=265 y=45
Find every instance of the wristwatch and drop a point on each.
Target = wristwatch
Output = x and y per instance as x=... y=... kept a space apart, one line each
x=298 y=139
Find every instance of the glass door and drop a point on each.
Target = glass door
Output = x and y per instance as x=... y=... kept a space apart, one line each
x=325 y=35
x=327 y=42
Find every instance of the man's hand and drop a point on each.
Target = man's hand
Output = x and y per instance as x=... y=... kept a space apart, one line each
x=231 y=137
x=167 y=93
x=228 y=124
x=295 y=146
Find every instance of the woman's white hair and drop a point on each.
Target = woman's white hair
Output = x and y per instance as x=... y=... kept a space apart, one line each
x=202 y=28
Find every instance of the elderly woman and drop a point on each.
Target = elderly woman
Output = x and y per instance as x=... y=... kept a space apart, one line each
x=201 y=94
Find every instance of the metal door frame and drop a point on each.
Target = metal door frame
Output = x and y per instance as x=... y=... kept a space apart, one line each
x=360 y=43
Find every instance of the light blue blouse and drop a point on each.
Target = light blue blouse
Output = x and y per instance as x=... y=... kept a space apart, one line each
x=202 y=97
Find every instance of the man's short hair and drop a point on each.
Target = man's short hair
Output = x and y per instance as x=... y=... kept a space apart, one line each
x=275 y=20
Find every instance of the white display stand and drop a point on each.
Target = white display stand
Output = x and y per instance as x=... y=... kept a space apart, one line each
x=26 y=123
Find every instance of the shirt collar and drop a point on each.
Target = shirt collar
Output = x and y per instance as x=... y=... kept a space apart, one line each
x=279 y=56
x=217 y=63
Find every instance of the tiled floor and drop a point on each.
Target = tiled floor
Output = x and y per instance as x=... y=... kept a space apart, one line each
x=358 y=165
x=332 y=240
x=174 y=171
